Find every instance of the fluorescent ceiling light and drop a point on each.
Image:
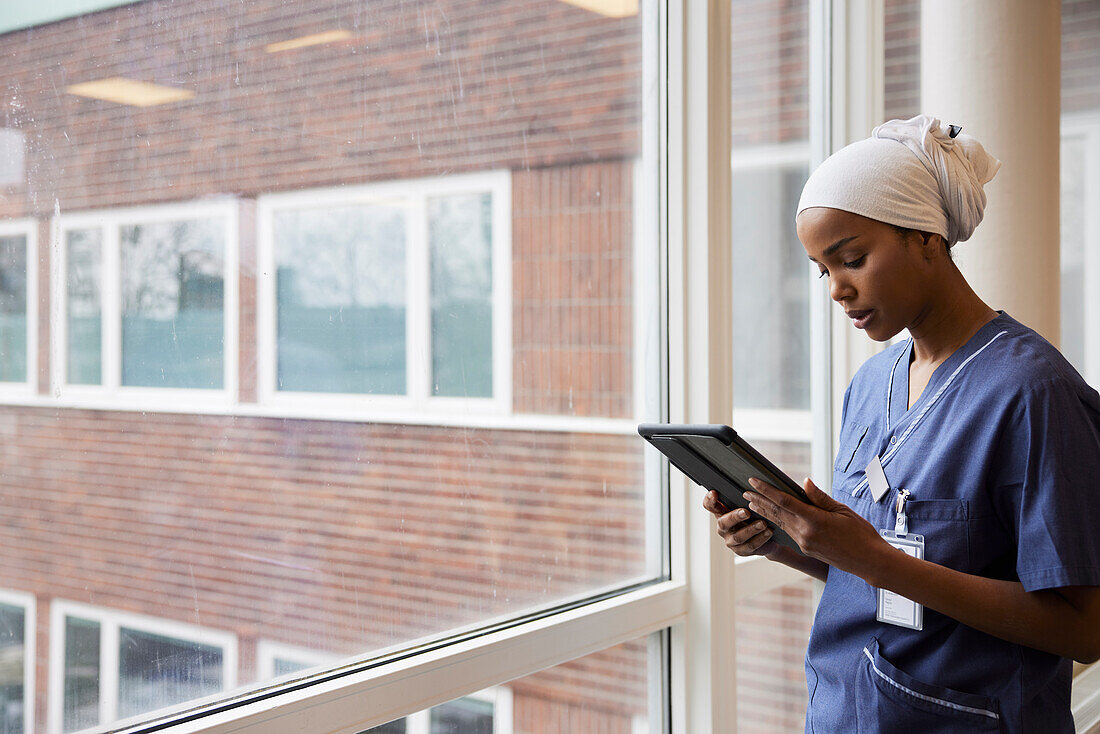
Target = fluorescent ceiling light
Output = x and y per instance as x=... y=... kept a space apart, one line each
x=610 y=8
x=127 y=91
x=315 y=39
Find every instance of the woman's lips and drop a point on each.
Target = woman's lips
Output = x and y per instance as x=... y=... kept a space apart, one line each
x=860 y=318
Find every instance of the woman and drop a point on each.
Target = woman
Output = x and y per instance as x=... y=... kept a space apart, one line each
x=973 y=443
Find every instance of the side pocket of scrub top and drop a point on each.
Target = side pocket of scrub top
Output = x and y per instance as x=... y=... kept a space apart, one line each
x=891 y=700
x=850 y=440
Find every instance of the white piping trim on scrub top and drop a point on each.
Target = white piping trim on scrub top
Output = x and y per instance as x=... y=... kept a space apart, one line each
x=890 y=386
x=935 y=398
x=930 y=699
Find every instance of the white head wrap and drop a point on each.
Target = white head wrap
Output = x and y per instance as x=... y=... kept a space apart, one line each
x=909 y=173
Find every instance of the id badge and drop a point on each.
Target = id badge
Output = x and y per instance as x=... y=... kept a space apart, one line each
x=894 y=608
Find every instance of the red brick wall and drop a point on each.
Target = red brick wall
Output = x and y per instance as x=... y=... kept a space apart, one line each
x=573 y=310
x=420 y=89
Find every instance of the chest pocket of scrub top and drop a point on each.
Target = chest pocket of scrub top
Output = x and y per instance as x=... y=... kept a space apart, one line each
x=851 y=438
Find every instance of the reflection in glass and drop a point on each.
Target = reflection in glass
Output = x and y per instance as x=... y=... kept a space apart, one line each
x=157 y=671
x=13 y=308
x=172 y=304
x=461 y=236
x=341 y=299
x=770 y=267
x=84 y=262
x=81 y=696
x=12 y=661
x=464 y=716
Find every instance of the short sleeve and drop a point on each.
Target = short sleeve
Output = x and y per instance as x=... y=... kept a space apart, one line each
x=1049 y=488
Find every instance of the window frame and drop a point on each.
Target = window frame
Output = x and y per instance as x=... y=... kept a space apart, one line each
x=110 y=392
x=417 y=404
x=30 y=628
x=11 y=390
x=110 y=622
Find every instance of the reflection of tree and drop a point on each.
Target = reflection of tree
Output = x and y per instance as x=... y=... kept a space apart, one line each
x=460 y=228
x=170 y=266
x=13 y=274
x=342 y=257
x=83 y=256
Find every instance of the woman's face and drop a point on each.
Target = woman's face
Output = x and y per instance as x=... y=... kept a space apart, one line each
x=882 y=279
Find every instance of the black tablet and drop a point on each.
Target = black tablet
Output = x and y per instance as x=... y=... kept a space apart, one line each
x=715 y=457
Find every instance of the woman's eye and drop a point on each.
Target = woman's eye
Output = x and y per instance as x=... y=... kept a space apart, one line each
x=853 y=264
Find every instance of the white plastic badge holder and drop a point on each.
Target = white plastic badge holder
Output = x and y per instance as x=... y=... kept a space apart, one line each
x=894 y=608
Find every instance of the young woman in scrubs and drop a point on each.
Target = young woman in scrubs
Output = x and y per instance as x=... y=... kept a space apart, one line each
x=973 y=435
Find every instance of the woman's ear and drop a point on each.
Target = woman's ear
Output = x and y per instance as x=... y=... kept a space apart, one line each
x=932 y=245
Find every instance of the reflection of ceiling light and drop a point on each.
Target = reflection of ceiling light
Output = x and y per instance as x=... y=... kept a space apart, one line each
x=610 y=8
x=315 y=39
x=127 y=91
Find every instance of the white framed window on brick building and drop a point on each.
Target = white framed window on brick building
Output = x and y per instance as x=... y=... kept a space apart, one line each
x=17 y=659
x=392 y=297
x=18 y=307
x=106 y=665
x=146 y=305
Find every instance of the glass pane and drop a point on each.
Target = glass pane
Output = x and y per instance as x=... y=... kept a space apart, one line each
x=772 y=632
x=399 y=726
x=341 y=299
x=460 y=230
x=12 y=662
x=172 y=304
x=1073 y=235
x=901 y=74
x=770 y=128
x=13 y=308
x=357 y=164
x=772 y=366
x=81 y=705
x=84 y=262
x=157 y=671
x=464 y=716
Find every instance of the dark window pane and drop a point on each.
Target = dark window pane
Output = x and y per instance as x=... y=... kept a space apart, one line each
x=157 y=671
x=394 y=727
x=81 y=674
x=461 y=234
x=463 y=716
x=13 y=308
x=12 y=661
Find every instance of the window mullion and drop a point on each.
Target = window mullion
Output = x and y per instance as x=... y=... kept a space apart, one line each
x=112 y=308
x=108 y=671
x=418 y=294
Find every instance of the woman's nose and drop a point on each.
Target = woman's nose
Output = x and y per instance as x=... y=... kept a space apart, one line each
x=839 y=288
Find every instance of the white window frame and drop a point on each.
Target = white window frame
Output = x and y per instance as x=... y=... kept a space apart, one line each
x=1086 y=127
x=417 y=405
x=29 y=229
x=30 y=628
x=111 y=393
x=110 y=621
x=268 y=651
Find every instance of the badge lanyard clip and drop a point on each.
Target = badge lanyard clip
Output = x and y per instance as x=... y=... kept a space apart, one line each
x=901 y=521
x=894 y=608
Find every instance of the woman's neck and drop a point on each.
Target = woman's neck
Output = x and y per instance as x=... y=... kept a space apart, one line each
x=949 y=322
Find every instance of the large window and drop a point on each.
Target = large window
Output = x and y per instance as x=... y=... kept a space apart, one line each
x=107 y=666
x=149 y=301
x=397 y=292
x=340 y=329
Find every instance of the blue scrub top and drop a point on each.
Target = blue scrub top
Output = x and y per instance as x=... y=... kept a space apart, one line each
x=1001 y=455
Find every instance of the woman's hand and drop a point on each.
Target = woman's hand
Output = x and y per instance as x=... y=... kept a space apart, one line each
x=823 y=528
x=741 y=534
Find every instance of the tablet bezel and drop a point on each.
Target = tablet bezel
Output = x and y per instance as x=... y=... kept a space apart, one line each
x=712 y=473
